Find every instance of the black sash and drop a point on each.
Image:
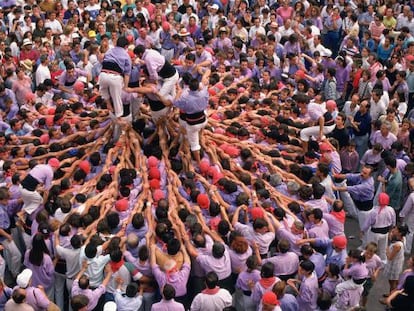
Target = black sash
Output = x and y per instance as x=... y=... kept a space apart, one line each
x=364 y=206
x=195 y=118
x=111 y=66
x=167 y=71
x=30 y=183
x=156 y=105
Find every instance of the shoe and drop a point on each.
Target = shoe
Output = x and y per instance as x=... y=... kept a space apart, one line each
x=386 y=295
x=383 y=301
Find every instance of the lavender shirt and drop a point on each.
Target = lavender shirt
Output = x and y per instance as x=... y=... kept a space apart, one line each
x=167 y=305
x=308 y=293
x=177 y=279
x=43 y=274
x=357 y=271
x=285 y=264
x=380 y=218
x=245 y=278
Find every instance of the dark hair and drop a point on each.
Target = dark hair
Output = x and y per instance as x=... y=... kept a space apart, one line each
x=168 y=292
x=38 y=250
x=267 y=270
x=307 y=265
x=211 y=280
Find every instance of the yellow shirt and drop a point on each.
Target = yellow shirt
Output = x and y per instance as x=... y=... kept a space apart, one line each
x=389 y=23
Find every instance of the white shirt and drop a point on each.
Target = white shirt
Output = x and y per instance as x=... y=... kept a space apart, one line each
x=42 y=73
x=216 y=302
x=55 y=26
x=124 y=303
x=95 y=266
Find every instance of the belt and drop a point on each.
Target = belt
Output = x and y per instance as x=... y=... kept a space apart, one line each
x=364 y=206
x=383 y=230
x=111 y=72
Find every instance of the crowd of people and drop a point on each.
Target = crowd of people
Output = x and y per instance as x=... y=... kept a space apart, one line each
x=205 y=154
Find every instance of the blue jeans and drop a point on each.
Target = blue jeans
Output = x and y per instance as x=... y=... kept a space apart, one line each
x=361 y=143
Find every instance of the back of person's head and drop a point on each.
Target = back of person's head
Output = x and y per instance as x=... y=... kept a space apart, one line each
x=211 y=280
x=218 y=250
x=78 y=302
x=122 y=42
x=168 y=292
x=173 y=247
x=91 y=250
x=267 y=270
x=307 y=265
x=283 y=246
x=194 y=85
x=19 y=295
x=324 y=301
x=83 y=282
x=131 y=290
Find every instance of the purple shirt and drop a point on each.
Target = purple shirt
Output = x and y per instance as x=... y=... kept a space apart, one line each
x=357 y=271
x=167 y=305
x=385 y=142
x=320 y=230
x=319 y=262
x=36 y=298
x=308 y=293
x=380 y=218
x=93 y=295
x=335 y=226
x=285 y=264
x=120 y=57
x=373 y=264
x=238 y=261
x=292 y=238
x=43 y=274
x=329 y=285
x=43 y=173
x=246 y=278
x=177 y=279
x=360 y=189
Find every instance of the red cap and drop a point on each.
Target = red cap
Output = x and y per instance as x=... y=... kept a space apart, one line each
x=130 y=38
x=44 y=139
x=409 y=58
x=158 y=195
x=300 y=74
x=339 y=241
x=324 y=147
x=53 y=162
x=85 y=166
x=270 y=298
x=152 y=161
x=51 y=110
x=78 y=86
x=204 y=166
x=121 y=205
x=29 y=96
x=256 y=212
x=203 y=201
x=331 y=104
x=383 y=199
x=154 y=173
x=155 y=184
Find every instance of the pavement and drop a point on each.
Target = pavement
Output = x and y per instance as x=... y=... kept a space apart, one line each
x=381 y=285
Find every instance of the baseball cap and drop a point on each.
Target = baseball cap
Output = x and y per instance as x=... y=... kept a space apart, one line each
x=270 y=298
x=23 y=279
x=53 y=162
x=256 y=212
x=339 y=241
x=203 y=201
x=121 y=205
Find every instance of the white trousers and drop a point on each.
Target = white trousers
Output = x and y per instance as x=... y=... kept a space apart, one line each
x=110 y=87
x=168 y=86
x=307 y=133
